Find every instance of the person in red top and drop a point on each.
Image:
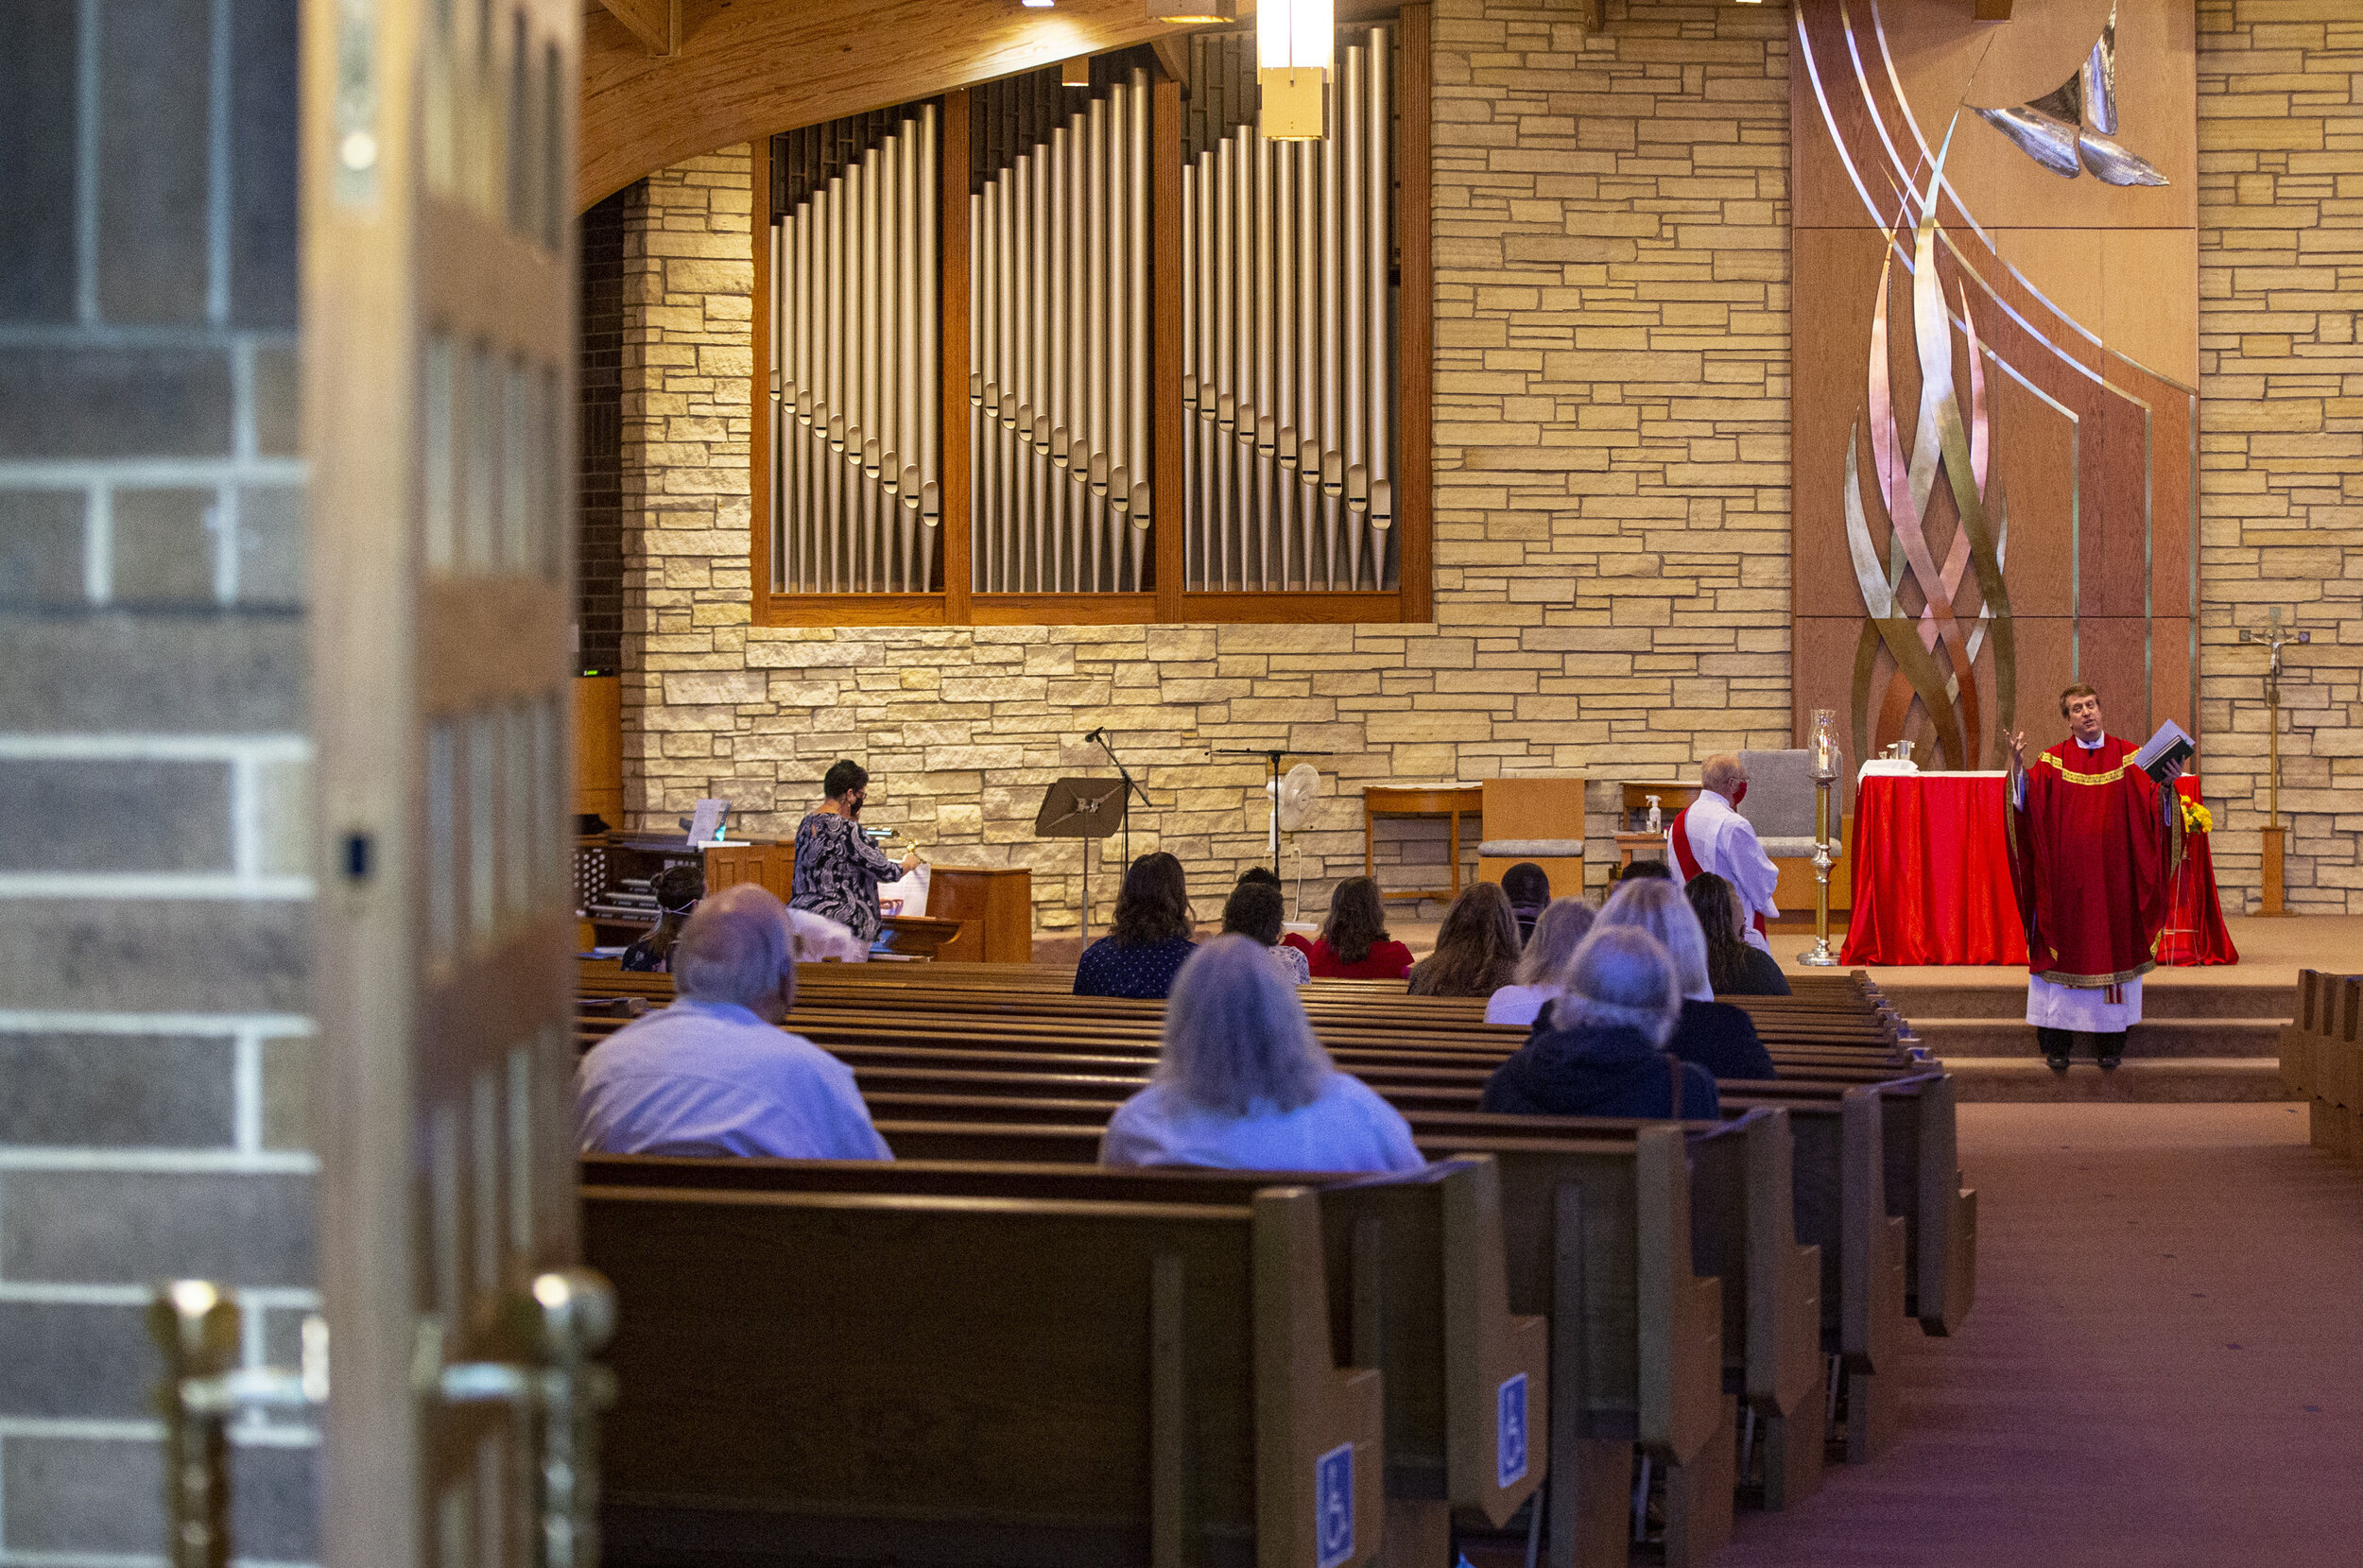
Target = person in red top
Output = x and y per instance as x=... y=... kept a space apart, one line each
x=1353 y=944
x=2091 y=859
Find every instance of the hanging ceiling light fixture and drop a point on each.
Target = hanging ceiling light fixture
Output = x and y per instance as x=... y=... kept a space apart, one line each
x=1294 y=46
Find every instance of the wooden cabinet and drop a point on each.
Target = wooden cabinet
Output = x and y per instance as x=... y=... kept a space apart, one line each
x=996 y=905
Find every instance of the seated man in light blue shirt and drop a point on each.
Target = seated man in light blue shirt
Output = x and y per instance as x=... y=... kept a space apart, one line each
x=713 y=1074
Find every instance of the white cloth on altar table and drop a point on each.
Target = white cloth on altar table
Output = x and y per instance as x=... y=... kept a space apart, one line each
x=1724 y=842
x=2087 y=1009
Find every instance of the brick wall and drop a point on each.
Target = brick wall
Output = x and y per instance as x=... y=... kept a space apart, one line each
x=1612 y=502
x=154 y=844
x=2281 y=508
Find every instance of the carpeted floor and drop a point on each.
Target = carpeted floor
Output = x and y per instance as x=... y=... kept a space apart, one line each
x=2165 y=1367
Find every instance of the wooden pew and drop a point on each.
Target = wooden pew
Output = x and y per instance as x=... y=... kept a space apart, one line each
x=1920 y=1158
x=1653 y=1346
x=966 y=1070
x=1414 y=1266
x=1838 y=1194
x=962 y=1381
x=1652 y=1349
x=2321 y=1060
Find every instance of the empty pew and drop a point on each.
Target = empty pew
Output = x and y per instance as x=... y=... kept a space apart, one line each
x=2321 y=1060
x=965 y=1381
x=1414 y=1265
x=1648 y=1329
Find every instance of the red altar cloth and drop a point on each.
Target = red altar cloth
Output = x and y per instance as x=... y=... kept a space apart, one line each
x=2195 y=932
x=1932 y=879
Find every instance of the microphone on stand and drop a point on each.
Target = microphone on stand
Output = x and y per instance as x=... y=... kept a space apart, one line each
x=1096 y=735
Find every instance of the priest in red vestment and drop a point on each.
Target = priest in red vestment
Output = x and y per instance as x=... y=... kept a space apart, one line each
x=2091 y=858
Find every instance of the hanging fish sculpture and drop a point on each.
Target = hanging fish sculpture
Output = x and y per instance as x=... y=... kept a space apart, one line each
x=2073 y=128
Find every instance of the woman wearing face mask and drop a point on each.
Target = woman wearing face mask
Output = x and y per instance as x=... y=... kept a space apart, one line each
x=837 y=868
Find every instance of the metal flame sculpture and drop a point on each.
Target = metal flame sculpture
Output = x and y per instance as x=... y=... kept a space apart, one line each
x=2074 y=127
x=1934 y=648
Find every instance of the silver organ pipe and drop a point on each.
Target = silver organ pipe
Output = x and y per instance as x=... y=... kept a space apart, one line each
x=1288 y=310
x=1193 y=571
x=926 y=370
x=1060 y=460
x=1132 y=474
x=856 y=340
x=980 y=384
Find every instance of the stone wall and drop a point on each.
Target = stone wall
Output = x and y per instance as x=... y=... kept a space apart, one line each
x=1611 y=434
x=1610 y=503
x=154 y=841
x=2281 y=508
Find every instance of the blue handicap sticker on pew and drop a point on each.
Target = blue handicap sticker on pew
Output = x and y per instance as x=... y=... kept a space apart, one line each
x=1332 y=1500
x=1509 y=1432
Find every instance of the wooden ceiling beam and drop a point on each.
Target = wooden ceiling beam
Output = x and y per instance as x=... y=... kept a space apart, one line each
x=1993 y=11
x=746 y=68
x=655 y=22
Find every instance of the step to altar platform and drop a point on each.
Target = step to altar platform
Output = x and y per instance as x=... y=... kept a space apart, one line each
x=2209 y=1034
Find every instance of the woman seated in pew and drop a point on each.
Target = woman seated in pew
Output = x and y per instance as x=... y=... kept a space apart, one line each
x=1603 y=1053
x=714 y=1074
x=677 y=890
x=1563 y=924
x=1354 y=943
x=1733 y=967
x=1476 y=948
x=1716 y=1035
x=1241 y=1084
x=1255 y=910
x=1150 y=940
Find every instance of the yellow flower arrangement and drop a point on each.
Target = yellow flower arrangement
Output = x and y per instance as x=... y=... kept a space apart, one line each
x=2196 y=817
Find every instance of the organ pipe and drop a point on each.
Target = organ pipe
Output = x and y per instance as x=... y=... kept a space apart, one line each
x=1063 y=281
x=855 y=343
x=1285 y=264
x=1289 y=307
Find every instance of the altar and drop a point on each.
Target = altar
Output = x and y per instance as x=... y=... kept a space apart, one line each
x=1932 y=878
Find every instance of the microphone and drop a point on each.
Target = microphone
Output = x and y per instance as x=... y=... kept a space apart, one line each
x=1096 y=735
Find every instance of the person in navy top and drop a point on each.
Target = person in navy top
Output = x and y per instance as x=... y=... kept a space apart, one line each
x=1241 y=1084
x=1603 y=1053
x=1151 y=940
x=1716 y=1035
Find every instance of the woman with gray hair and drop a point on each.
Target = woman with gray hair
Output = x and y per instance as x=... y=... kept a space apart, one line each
x=1563 y=924
x=1241 y=1084
x=715 y=1074
x=1604 y=1054
x=1716 y=1035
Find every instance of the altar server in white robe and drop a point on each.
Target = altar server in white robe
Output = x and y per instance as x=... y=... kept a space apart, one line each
x=1710 y=834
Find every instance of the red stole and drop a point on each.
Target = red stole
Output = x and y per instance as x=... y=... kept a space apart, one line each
x=2091 y=863
x=1687 y=859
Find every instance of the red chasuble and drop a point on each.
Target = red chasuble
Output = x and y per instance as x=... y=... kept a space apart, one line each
x=2091 y=861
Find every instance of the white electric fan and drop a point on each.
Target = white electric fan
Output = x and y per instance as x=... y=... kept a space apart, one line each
x=1292 y=810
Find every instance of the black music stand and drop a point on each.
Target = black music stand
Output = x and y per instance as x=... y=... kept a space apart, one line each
x=1087 y=809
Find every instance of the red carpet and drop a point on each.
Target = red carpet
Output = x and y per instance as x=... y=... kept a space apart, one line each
x=2165 y=1367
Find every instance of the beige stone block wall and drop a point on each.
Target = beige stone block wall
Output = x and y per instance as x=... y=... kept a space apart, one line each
x=1611 y=502
x=1612 y=486
x=2281 y=419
